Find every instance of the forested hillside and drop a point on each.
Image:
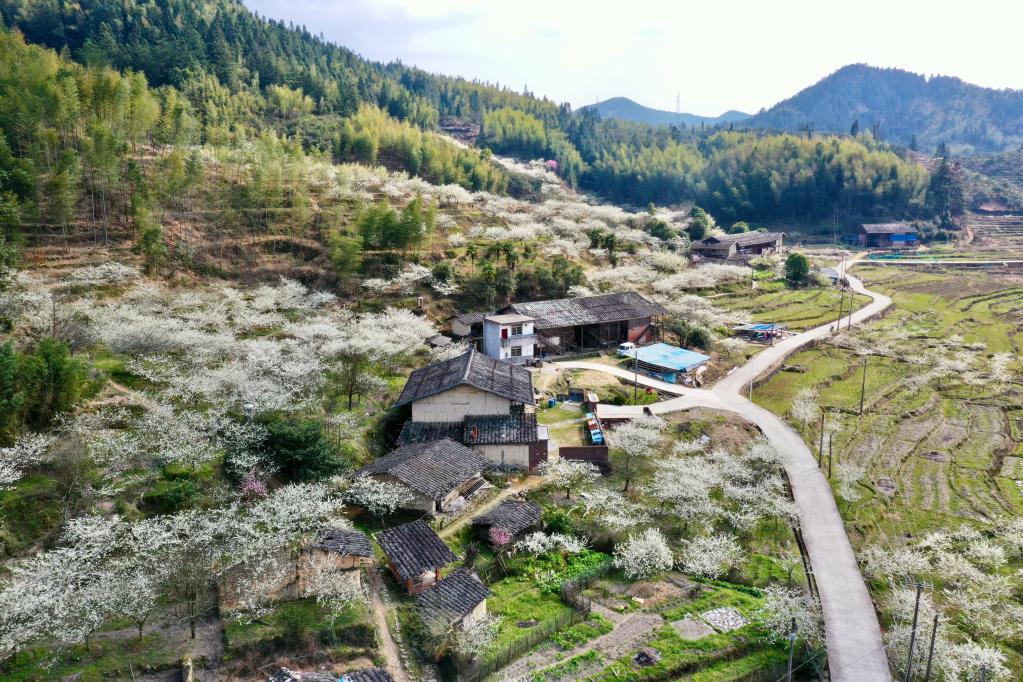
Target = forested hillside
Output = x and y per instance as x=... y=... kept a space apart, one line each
x=234 y=74
x=627 y=110
x=905 y=108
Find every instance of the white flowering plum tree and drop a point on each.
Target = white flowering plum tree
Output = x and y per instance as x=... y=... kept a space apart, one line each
x=710 y=555
x=643 y=554
x=569 y=475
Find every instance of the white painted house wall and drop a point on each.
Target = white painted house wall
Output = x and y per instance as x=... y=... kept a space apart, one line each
x=456 y=403
x=509 y=455
x=499 y=340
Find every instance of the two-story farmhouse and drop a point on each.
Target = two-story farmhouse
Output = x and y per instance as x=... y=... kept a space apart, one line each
x=510 y=337
x=733 y=246
x=439 y=473
x=478 y=401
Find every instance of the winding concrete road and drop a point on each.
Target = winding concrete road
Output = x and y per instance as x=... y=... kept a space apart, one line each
x=855 y=649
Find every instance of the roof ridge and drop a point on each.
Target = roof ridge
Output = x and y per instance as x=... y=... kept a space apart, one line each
x=468 y=365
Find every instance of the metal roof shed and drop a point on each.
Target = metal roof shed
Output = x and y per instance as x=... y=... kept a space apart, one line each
x=666 y=361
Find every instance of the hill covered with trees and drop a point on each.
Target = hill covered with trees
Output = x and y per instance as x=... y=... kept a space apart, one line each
x=234 y=74
x=906 y=108
x=628 y=110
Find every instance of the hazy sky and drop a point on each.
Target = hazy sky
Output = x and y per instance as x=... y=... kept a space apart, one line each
x=717 y=54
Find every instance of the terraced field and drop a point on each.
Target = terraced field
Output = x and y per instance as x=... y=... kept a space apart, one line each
x=996 y=235
x=934 y=451
x=800 y=309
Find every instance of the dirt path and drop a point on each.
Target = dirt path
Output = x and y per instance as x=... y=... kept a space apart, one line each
x=389 y=648
x=529 y=483
x=855 y=649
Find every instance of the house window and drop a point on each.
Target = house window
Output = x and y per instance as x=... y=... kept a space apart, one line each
x=516 y=351
x=516 y=330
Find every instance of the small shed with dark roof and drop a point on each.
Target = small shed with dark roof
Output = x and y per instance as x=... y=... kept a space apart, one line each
x=415 y=554
x=515 y=516
x=471 y=383
x=899 y=235
x=456 y=601
x=437 y=472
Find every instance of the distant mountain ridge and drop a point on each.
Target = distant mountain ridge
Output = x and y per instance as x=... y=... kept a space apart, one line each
x=626 y=109
x=968 y=118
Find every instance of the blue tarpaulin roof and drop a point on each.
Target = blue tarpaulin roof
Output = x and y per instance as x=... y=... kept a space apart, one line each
x=668 y=357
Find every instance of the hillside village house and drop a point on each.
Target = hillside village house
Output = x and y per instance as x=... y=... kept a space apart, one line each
x=441 y=474
x=887 y=236
x=510 y=338
x=290 y=573
x=415 y=554
x=454 y=603
x=732 y=246
x=480 y=402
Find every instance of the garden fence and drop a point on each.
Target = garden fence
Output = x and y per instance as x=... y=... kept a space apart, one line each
x=572 y=594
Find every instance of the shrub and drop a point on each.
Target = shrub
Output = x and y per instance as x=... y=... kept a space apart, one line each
x=797 y=268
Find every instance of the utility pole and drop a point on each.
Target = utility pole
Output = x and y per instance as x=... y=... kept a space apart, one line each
x=635 y=373
x=820 y=446
x=841 y=305
x=912 y=635
x=792 y=649
x=751 y=390
x=930 y=653
x=830 y=452
x=863 y=384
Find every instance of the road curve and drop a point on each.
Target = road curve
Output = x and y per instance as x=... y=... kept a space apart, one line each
x=855 y=649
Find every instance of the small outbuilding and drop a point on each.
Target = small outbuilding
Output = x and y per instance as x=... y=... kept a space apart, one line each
x=887 y=236
x=438 y=473
x=665 y=362
x=515 y=516
x=455 y=602
x=415 y=554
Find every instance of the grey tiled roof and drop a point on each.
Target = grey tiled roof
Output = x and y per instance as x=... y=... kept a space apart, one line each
x=414 y=549
x=742 y=239
x=888 y=228
x=367 y=675
x=427 y=432
x=451 y=599
x=568 y=312
x=473 y=369
x=472 y=318
x=497 y=429
x=346 y=542
x=285 y=675
x=434 y=469
x=514 y=516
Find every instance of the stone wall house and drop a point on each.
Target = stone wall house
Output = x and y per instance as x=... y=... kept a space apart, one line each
x=284 y=573
x=415 y=554
x=438 y=473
